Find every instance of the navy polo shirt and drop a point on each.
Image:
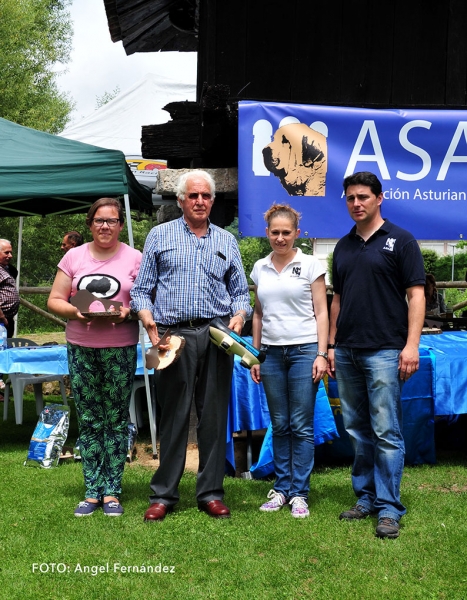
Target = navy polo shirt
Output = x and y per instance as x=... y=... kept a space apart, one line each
x=371 y=278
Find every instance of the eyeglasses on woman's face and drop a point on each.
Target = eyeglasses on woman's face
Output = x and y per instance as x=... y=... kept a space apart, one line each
x=110 y=222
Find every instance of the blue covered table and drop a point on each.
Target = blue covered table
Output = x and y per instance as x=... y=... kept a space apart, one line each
x=448 y=352
x=43 y=360
x=34 y=360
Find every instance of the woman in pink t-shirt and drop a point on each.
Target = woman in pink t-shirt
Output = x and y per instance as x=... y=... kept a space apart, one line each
x=101 y=352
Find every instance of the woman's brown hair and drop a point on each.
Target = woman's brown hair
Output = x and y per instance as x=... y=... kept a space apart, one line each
x=282 y=210
x=105 y=202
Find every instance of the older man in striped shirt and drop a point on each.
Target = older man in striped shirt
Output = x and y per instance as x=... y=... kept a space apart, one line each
x=9 y=297
x=194 y=272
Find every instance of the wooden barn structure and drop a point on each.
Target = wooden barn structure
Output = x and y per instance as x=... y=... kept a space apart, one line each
x=392 y=53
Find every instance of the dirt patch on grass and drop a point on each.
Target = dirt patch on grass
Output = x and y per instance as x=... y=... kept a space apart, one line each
x=144 y=457
x=456 y=488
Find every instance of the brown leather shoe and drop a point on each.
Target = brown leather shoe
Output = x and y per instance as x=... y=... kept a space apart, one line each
x=215 y=508
x=157 y=512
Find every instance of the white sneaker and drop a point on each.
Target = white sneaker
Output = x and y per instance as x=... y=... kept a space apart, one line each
x=276 y=502
x=299 y=507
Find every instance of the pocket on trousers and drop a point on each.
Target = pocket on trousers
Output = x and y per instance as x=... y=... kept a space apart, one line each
x=307 y=349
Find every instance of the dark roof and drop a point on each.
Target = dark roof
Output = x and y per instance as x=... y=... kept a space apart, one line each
x=153 y=25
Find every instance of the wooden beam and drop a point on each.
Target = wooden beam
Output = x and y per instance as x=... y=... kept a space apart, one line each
x=41 y=312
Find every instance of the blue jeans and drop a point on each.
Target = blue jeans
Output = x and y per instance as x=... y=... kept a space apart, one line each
x=370 y=395
x=287 y=378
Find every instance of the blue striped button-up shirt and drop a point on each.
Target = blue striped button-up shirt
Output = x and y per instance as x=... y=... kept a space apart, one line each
x=192 y=278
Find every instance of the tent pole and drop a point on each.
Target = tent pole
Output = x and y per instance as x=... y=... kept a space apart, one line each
x=18 y=263
x=128 y=220
x=152 y=421
x=150 y=399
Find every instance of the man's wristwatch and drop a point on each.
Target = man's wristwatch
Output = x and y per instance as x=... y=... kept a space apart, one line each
x=323 y=354
x=239 y=314
x=331 y=346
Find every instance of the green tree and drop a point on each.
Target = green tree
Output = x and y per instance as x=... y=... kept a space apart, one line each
x=430 y=259
x=35 y=36
x=329 y=260
x=443 y=268
x=251 y=248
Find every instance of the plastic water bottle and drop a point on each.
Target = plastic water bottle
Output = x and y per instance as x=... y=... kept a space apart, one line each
x=3 y=335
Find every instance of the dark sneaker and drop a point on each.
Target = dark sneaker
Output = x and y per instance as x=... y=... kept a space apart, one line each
x=387 y=528
x=84 y=509
x=113 y=509
x=356 y=512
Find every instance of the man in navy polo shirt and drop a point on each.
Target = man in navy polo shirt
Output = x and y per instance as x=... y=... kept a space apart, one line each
x=377 y=317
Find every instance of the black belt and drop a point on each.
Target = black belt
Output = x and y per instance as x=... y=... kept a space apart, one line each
x=191 y=324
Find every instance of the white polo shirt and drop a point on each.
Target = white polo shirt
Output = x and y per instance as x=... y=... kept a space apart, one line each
x=286 y=300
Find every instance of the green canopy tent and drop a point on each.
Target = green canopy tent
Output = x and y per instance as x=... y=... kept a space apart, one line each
x=43 y=174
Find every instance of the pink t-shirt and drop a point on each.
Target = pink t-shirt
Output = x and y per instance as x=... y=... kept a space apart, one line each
x=109 y=279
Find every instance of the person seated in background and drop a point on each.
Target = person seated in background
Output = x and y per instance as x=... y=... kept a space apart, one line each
x=435 y=304
x=71 y=239
x=9 y=295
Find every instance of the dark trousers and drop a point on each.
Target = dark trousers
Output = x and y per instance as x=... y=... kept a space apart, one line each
x=10 y=329
x=203 y=372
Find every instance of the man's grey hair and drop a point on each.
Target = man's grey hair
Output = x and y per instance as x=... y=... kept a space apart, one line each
x=183 y=179
x=3 y=241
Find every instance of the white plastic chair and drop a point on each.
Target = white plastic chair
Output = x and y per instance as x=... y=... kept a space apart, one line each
x=136 y=412
x=18 y=381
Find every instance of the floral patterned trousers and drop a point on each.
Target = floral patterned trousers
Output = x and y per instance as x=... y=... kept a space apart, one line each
x=101 y=382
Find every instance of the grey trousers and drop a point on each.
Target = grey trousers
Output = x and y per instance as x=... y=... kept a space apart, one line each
x=202 y=372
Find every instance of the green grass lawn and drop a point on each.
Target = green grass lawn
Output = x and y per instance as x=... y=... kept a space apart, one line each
x=45 y=552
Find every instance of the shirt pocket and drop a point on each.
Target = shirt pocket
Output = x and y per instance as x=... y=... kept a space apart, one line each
x=216 y=268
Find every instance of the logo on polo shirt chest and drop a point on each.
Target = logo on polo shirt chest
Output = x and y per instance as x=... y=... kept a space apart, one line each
x=390 y=243
x=296 y=271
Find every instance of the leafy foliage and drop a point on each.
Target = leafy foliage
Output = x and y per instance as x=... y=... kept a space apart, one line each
x=35 y=35
x=443 y=268
x=252 y=249
x=430 y=258
x=454 y=296
x=107 y=97
x=329 y=262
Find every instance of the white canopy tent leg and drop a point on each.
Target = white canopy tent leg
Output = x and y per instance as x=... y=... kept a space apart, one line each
x=128 y=220
x=152 y=421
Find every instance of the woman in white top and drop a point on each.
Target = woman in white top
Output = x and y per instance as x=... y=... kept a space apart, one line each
x=290 y=323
